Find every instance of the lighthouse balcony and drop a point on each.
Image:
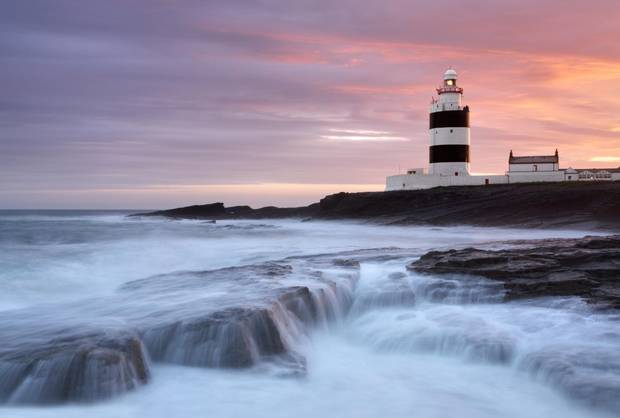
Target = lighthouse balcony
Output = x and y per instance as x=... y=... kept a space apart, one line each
x=440 y=107
x=449 y=89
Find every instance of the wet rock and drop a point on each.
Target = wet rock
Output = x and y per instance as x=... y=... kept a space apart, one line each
x=344 y=262
x=299 y=301
x=385 y=299
x=236 y=317
x=587 y=267
x=457 y=291
x=590 y=376
x=437 y=330
x=395 y=291
x=73 y=368
x=235 y=338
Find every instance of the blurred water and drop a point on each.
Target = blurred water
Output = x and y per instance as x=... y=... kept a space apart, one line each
x=410 y=346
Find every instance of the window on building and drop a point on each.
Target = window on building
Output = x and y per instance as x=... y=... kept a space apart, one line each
x=456 y=173
x=486 y=181
x=535 y=167
x=585 y=174
x=451 y=130
x=570 y=177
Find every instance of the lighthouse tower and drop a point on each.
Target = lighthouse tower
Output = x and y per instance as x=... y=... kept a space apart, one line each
x=449 y=130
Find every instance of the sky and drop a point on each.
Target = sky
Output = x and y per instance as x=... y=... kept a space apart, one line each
x=163 y=103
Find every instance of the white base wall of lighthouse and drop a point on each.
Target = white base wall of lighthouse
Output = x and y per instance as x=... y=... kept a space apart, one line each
x=448 y=169
x=417 y=182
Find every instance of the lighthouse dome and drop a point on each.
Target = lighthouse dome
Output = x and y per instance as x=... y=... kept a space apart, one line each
x=450 y=74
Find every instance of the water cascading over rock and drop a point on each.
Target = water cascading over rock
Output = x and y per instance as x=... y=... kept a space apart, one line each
x=75 y=366
x=229 y=318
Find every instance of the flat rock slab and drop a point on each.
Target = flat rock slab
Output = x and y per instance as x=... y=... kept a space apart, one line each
x=587 y=267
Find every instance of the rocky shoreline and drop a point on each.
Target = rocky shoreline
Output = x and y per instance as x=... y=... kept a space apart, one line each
x=587 y=206
x=588 y=268
x=258 y=316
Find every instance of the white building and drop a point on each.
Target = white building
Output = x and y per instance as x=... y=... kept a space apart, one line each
x=449 y=162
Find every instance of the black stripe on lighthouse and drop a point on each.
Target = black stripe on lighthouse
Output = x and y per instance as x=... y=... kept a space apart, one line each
x=450 y=119
x=449 y=154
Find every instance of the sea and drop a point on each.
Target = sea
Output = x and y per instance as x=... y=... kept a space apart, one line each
x=462 y=353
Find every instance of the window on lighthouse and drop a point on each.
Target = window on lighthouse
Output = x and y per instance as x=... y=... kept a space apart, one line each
x=449 y=82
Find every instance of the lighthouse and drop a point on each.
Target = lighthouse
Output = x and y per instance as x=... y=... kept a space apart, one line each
x=449 y=130
x=449 y=153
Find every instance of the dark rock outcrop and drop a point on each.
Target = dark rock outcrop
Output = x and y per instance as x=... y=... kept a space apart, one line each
x=212 y=211
x=588 y=268
x=584 y=205
x=196 y=211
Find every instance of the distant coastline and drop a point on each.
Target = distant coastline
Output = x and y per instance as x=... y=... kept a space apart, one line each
x=588 y=206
